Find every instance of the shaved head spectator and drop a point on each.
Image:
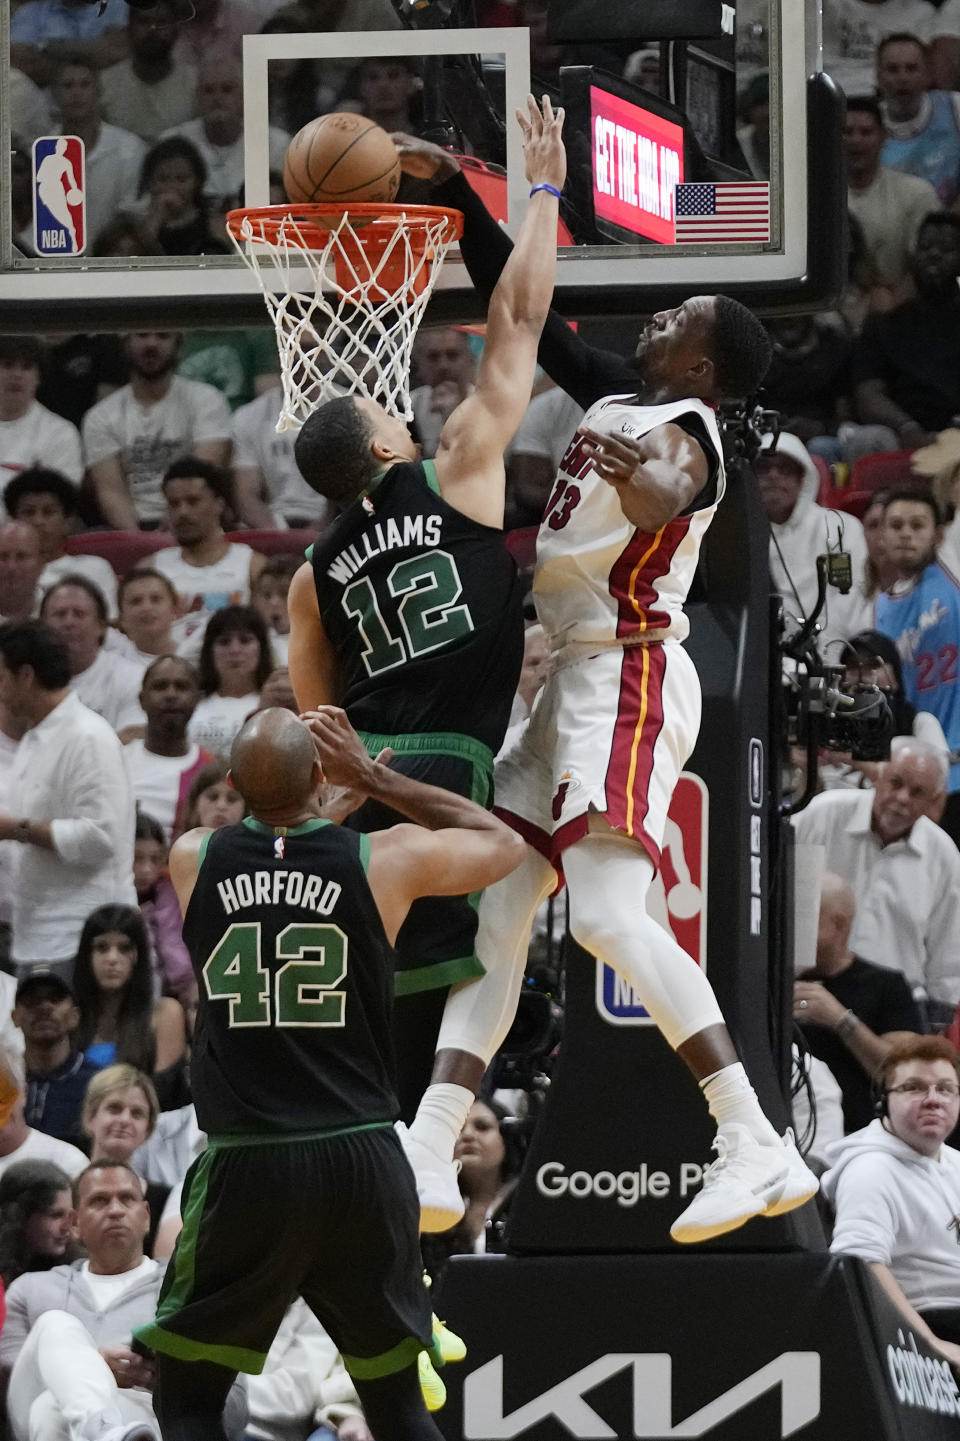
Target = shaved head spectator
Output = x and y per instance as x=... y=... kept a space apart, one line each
x=21 y=565
x=903 y=869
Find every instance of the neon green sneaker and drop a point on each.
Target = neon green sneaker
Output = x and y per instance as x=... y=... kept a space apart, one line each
x=434 y=1391
x=450 y=1345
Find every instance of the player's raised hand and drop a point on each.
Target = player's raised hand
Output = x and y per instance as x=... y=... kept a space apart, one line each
x=544 y=156
x=342 y=755
x=423 y=159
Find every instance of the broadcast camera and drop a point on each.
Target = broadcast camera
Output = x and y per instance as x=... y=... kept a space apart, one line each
x=826 y=707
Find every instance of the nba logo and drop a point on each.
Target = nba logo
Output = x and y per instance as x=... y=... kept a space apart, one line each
x=59 y=206
x=677 y=899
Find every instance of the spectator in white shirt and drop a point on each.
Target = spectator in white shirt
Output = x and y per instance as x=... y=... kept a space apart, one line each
x=801 y=530
x=217 y=132
x=20 y=569
x=148 y=607
x=164 y=763
x=888 y=205
x=852 y=30
x=113 y=156
x=149 y=91
x=207 y=570
x=20 y=1142
x=895 y=1185
x=49 y=502
x=106 y=682
x=29 y=433
x=904 y=870
x=71 y=807
x=133 y=435
x=446 y=367
x=235 y=662
x=269 y=489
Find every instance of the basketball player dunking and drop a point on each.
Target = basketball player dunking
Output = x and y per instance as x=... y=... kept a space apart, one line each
x=409 y=615
x=589 y=779
x=303 y=1188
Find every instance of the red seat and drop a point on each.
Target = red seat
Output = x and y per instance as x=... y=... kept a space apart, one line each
x=124 y=549
x=275 y=542
x=884 y=468
x=522 y=545
x=823 y=470
x=853 y=502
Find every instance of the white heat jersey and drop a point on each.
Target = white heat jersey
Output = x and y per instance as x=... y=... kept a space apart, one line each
x=599 y=580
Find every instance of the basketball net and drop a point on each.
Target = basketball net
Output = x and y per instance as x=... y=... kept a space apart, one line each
x=346 y=289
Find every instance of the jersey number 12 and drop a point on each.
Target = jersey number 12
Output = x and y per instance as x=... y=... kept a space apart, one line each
x=423 y=593
x=302 y=991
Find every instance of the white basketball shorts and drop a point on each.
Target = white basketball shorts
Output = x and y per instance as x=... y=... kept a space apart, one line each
x=609 y=736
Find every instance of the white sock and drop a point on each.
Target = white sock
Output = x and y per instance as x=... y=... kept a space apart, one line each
x=440 y=1117
x=731 y=1098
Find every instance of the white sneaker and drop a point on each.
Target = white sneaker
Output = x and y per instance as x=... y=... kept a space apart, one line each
x=441 y=1204
x=801 y=1184
x=747 y=1179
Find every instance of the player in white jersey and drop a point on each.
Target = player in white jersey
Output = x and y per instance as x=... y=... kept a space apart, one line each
x=589 y=778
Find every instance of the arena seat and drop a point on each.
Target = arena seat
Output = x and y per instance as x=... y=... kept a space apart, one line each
x=522 y=545
x=854 y=502
x=882 y=469
x=124 y=549
x=275 y=542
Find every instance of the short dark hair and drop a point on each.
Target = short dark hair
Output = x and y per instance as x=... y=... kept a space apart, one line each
x=900 y=37
x=868 y=103
x=161 y=660
x=279 y=567
x=36 y=644
x=106 y=1163
x=933 y=217
x=145 y=572
x=21 y=347
x=80 y=582
x=742 y=349
x=38 y=480
x=919 y=493
x=190 y=467
x=332 y=450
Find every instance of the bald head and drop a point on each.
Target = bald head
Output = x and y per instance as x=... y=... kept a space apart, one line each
x=273 y=764
x=838 y=906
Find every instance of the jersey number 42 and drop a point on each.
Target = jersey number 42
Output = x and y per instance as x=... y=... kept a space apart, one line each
x=299 y=993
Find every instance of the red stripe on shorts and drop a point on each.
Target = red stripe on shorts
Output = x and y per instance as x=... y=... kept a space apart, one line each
x=646 y=559
x=637 y=729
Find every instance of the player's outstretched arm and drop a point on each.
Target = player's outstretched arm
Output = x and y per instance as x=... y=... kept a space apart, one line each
x=311 y=660
x=454 y=848
x=469 y=460
x=656 y=477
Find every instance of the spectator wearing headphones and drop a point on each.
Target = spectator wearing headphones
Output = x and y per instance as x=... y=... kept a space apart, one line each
x=896 y=1189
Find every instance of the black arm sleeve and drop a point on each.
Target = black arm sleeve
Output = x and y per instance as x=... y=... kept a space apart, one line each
x=585 y=373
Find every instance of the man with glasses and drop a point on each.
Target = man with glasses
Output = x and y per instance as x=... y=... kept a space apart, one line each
x=896 y=1189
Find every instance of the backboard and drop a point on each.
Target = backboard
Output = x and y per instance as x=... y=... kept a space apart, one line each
x=645 y=112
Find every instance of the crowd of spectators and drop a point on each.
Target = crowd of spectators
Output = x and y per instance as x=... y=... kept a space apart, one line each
x=151 y=522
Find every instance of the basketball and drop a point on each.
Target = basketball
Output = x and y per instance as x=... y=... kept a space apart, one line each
x=339 y=158
x=74 y=197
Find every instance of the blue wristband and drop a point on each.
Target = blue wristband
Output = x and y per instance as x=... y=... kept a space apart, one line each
x=545 y=186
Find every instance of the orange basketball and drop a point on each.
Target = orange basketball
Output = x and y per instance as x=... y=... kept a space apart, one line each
x=339 y=158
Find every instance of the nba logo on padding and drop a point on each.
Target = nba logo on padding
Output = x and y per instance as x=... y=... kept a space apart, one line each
x=59 y=195
x=677 y=898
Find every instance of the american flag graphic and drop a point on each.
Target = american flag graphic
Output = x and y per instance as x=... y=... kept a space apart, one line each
x=727 y=210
